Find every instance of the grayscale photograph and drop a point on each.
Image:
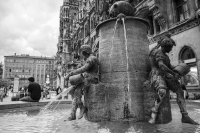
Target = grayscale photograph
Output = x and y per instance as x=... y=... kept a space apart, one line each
x=99 y=66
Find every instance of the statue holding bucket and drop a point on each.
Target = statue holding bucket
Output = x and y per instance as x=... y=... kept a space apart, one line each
x=81 y=79
x=165 y=76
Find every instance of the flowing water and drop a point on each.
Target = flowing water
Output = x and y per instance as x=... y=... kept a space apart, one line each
x=30 y=120
x=63 y=93
x=126 y=48
x=127 y=58
x=111 y=52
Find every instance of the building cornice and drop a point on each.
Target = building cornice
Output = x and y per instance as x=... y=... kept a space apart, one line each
x=178 y=28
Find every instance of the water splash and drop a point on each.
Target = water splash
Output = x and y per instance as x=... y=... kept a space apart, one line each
x=57 y=105
x=63 y=93
x=115 y=27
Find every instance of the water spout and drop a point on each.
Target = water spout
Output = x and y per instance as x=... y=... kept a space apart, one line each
x=63 y=93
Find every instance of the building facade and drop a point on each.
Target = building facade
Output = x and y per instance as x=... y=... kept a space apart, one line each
x=180 y=18
x=25 y=66
x=68 y=24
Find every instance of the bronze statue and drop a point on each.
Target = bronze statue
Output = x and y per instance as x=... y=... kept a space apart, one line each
x=163 y=77
x=122 y=7
x=103 y=10
x=88 y=73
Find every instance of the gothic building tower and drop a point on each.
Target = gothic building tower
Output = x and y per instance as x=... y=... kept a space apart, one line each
x=68 y=20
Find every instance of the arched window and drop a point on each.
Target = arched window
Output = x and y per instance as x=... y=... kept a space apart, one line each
x=187 y=56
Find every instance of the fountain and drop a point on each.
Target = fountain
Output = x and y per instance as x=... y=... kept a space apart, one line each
x=123 y=93
x=120 y=96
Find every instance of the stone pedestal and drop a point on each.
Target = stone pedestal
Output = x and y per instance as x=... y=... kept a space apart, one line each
x=16 y=85
x=164 y=114
x=123 y=69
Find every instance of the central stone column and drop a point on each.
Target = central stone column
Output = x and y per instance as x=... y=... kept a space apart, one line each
x=123 y=70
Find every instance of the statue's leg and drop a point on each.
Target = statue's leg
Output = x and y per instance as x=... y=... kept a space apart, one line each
x=82 y=110
x=160 y=87
x=78 y=94
x=73 y=109
x=182 y=105
x=75 y=103
x=161 y=94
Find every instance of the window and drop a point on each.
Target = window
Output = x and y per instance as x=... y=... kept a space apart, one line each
x=92 y=22
x=188 y=56
x=197 y=3
x=157 y=26
x=151 y=30
x=181 y=10
x=85 y=30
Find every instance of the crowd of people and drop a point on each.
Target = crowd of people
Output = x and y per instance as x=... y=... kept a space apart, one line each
x=32 y=92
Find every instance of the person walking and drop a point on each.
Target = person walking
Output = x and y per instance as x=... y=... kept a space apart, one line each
x=58 y=89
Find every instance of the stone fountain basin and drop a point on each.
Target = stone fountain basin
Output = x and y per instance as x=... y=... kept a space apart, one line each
x=28 y=119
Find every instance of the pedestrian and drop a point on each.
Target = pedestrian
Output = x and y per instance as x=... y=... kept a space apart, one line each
x=5 y=91
x=34 y=91
x=1 y=94
x=58 y=89
x=11 y=89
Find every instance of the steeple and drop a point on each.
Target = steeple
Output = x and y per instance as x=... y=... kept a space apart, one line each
x=65 y=2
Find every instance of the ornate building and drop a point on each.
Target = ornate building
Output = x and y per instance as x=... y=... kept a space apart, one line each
x=180 y=18
x=68 y=25
x=25 y=66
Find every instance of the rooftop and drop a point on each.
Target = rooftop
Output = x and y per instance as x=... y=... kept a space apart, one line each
x=28 y=56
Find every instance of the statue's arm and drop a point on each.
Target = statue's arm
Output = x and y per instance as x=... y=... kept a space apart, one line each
x=81 y=69
x=172 y=67
x=165 y=68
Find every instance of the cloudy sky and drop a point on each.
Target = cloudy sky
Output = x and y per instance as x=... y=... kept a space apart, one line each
x=29 y=27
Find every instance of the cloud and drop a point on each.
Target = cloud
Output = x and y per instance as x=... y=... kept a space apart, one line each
x=29 y=27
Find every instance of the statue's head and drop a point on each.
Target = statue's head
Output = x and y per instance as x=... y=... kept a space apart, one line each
x=167 y=43
x=86 y=49
x=123 y=7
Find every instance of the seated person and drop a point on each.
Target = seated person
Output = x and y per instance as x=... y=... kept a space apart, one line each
x=34 y=92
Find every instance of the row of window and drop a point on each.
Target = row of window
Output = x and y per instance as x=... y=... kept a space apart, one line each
x=29 y=61
x=18 y=65
x=20 y=61
x=180 y=13
x=28 y=66
x=17 y=70
x=23 y=81
x=11 y=75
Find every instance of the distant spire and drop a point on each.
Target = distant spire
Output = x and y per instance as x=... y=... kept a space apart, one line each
x=65 y=1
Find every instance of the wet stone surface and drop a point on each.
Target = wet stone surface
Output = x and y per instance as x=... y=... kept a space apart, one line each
x=32 y=120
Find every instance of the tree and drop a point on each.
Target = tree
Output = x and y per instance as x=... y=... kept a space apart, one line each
x=1 y=70
x=5 y=83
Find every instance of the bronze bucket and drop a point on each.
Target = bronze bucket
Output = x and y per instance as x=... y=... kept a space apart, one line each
x=76 y=79
x=182 y=69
